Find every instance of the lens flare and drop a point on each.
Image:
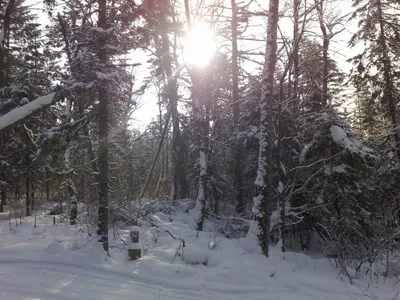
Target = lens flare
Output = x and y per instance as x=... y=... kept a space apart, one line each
x=199 y=46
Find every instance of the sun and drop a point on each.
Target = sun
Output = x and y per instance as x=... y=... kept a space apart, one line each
x=199 y=45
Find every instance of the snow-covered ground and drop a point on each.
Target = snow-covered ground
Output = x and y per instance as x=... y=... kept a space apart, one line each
x=67 y=262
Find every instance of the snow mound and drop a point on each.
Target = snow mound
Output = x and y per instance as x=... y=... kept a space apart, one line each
x=55 y=248
x=195 y=256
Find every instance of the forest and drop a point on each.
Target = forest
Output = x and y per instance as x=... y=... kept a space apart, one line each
x=274 y=119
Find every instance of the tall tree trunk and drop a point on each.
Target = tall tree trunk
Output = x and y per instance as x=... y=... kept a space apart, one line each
x=263 y=182
x=47 y=184
x=103 y=135
x=319 y=4
x=27 y=188
x=178 y=158
x=187 y=13
x=388 y=92
x=71 y=189
x=202 y=146
x=3 y=187
x=238 y=151
x=4 y=51
x=3 y=199
x=32 y=199
x=296 y=37
x=73 y=204
x=161 y=164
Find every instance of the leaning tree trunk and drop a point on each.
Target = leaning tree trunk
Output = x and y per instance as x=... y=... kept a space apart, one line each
x=263 y=182
x=159 y=148
x=103 y=135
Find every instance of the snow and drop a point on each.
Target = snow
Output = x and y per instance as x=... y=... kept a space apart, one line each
x=21 y=112
x=203 y=163
x=134 y=246
x=338 y=134
x=257 y=201
x=68 y=107
x=67 y=158
x=280 y=187
x=305 y=151
x=1 y=36
x=339 y=169
x=106 y=76
x=341 y=138
x=67 y=262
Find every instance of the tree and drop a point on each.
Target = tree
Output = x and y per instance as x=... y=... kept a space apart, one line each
x=238 y=153
x=103 y=132
x=378 y=26
x=263 y=182
x=169 y=72
x=28 y=71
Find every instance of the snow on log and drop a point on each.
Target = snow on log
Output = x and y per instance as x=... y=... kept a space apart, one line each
x=22 y=112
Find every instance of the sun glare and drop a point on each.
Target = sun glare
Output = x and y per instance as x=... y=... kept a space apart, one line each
x=199 y=45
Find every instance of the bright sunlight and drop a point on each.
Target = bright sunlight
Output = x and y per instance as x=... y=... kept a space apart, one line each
x=199 y=45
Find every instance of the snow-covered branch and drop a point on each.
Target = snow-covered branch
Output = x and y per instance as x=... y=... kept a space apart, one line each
x=22 y=112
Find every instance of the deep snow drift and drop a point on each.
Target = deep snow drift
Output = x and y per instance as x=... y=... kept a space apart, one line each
x=67 y=262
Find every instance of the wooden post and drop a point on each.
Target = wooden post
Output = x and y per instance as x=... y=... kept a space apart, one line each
x=134 y=247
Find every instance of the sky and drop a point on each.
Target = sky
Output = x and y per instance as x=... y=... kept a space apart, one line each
x=339 y=50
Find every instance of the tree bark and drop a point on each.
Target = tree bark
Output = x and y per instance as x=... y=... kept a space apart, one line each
x=238 y=151
x=263 y=183
x=4 y=70
x=202 y=146
x=325 y=47
x=47 y=184
x=27 y=188
x=73 y=204
x=187 y=13
x=296 y=37
x=32 y=199
x=3 y=199
x=103 y=135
